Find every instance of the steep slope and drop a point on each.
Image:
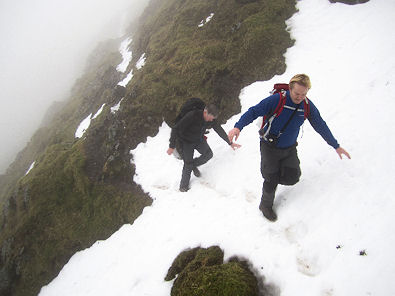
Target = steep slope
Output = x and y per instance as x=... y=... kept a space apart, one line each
x=335 y=232
x=56 y=208
x=81 y=189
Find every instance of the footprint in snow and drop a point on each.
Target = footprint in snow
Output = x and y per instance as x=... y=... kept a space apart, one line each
x=308 y=264
x=295 y=232
x=161 y=187
x=250 y=197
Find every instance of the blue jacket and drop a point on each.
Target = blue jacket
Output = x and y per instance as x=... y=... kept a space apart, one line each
x=290 y=135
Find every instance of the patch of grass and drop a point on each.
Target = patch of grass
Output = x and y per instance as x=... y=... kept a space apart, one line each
x=241 y=44
x=66 y=212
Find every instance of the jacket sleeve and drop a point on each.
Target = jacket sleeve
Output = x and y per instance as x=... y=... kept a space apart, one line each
x=220 y=131
x=173 y=138
x=321 y=127
x=180 y=127
x=261 y=109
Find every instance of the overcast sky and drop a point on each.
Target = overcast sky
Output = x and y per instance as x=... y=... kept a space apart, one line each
x=43 y=48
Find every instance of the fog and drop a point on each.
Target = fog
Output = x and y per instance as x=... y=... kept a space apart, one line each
x=43 y=48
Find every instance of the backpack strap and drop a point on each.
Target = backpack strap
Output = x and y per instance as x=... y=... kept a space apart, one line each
x=306 y=108
x=281 y=104
x=289 y=120
x=279 y=108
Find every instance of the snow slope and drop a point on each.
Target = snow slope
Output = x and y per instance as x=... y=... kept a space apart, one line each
x=339 y=210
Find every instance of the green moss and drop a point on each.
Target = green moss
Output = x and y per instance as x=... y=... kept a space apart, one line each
x=241 y=44
x=89 y=92
x=68 y=213
x=201 y=272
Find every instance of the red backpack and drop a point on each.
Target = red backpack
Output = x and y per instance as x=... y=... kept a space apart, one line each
x=282 y=88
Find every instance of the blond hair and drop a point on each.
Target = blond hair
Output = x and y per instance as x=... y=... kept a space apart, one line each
x=301 y=79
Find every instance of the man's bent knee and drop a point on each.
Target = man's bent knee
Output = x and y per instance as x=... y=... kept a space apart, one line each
x=289 y=176
x=209 y=154
x=188 y=164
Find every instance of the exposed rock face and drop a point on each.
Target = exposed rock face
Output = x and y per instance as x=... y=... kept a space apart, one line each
x=81 y=189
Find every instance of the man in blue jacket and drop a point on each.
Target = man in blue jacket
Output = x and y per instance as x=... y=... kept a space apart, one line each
x=279 y=159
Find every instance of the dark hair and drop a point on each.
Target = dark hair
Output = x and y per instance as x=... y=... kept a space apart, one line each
x=212 y=109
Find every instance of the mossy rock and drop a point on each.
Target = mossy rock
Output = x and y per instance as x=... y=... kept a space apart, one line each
x=202 y=272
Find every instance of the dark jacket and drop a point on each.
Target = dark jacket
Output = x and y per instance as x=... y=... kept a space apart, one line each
x=289 y=137
x=192 y=127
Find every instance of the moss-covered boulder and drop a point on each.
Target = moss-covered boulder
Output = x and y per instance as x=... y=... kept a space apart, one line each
x=202 y=272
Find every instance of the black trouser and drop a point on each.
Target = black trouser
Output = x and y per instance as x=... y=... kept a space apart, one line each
x=189 y=162
x=278 y=166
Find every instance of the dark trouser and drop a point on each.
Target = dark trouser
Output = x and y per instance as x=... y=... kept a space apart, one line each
x=278 y=166
x=189 y=162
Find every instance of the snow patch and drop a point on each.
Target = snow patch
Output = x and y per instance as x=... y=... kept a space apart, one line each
x=203 y=22
x=84 y=125
x=115 y=108
x=126 y=55
x=98 y=111
x=30 y=168
x=141 y=62
x=127 y=79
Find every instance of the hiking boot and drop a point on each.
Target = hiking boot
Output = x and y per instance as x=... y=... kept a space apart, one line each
x=196 y=172
x=268 y=213
x=184 y=189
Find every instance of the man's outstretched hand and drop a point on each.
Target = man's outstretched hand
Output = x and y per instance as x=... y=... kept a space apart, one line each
x=234 y=132
x=340 y=151
x=170 y=151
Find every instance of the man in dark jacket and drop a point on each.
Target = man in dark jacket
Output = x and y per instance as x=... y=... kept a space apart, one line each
x=189 y=132
x=279 y=159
